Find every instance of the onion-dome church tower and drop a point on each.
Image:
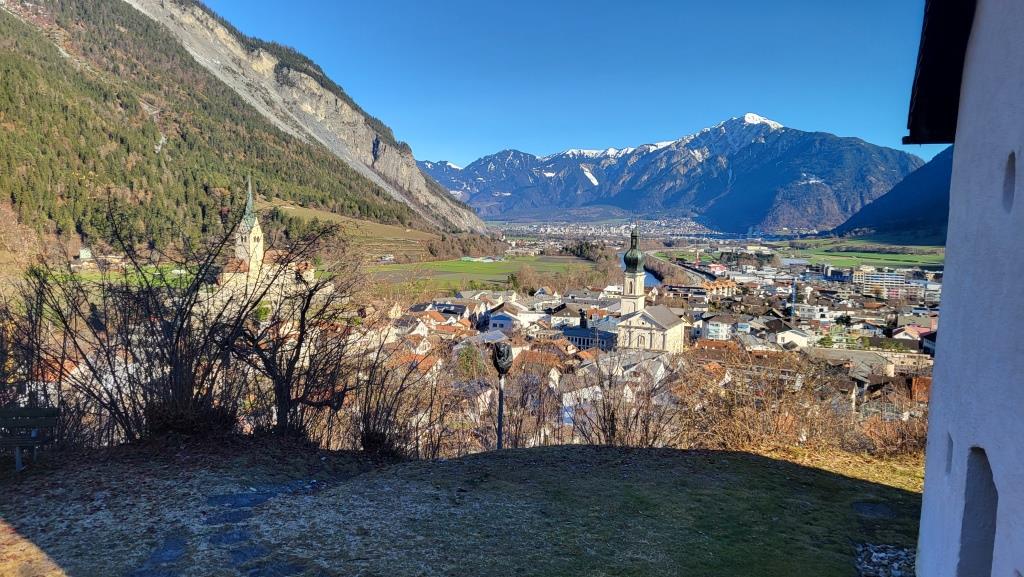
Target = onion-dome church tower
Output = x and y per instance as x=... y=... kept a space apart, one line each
x=650 y=328
x=633 y=292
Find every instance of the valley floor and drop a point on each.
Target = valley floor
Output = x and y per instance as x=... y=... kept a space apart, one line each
x=261 y=508
x=456 y=274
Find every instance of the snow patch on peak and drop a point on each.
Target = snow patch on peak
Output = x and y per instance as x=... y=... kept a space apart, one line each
x=810 y=179
x=617 y=152
x=648 y=148
x=589 y=153
x=440 y=164
x=751 y=118
x=588 y=174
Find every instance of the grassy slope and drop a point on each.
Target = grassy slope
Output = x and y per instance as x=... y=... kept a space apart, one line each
x=548 y=511
x=374 y=238
x=456 y=273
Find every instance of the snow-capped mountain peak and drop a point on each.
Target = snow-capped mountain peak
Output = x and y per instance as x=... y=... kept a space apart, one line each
x=751 y=118
x=440 y=165
x=747 y=172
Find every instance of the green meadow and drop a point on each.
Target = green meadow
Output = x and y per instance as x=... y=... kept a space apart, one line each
x=459 y=273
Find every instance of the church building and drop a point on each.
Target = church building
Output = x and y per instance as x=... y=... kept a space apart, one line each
x=252 y=268
x=651 y=328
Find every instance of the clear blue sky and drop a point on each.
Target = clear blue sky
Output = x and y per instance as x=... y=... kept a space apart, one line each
x=463 y=78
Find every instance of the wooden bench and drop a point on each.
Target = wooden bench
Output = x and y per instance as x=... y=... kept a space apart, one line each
x=24 y=428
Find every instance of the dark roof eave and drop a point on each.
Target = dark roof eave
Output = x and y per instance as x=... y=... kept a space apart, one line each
x=935 y=98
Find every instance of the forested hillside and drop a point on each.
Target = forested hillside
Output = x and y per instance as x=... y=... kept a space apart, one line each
x=99 y=105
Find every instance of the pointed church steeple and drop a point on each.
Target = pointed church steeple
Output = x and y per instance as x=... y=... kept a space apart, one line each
x=249 y=216
x=249 y=236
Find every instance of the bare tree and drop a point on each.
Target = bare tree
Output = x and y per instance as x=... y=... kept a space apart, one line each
x=152 y=339
x=300 y=341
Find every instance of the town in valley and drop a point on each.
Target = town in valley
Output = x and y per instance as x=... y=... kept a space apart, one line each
x=425 y=288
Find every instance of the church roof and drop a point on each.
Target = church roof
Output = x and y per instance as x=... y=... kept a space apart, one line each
x=236 y=265
x=658 y=315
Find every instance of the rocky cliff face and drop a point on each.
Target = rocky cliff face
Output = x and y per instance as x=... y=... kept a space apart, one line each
x=301 y=105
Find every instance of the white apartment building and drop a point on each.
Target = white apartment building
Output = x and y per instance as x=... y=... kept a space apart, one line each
x=870 y=280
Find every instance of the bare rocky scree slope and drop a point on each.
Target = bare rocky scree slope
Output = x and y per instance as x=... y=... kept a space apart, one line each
x=300 y=105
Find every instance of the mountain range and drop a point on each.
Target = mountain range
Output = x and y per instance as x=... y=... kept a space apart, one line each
x=915 y=211
x=745 y=174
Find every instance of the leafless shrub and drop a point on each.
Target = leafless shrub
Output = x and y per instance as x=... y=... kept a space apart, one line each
x=299 y=340
x=743 y=403
x=152 y=343
x=613 y=405
x=388 y=388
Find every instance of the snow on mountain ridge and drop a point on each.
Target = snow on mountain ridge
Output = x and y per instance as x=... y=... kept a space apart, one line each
x=441 y=164
x=745 y=173
x=749 y=120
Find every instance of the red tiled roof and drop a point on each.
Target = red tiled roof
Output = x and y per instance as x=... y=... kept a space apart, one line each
x=431 y=315
x=236 y=265
x=537 y=358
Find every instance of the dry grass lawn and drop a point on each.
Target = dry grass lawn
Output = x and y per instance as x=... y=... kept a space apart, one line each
x=252 y=507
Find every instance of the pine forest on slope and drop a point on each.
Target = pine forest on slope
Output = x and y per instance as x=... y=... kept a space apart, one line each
x=100 y=104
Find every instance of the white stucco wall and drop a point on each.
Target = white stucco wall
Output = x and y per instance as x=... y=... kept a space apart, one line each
x=978 y=395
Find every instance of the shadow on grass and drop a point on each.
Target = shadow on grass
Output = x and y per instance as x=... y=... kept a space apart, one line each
x=570 y=510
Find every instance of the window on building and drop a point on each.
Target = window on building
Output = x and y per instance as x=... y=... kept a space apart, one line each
x=949 y=453
x=978 y=529
x=1010 y=181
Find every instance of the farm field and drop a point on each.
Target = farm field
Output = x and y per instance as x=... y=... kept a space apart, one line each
x=845 y=253
x=374 y=238
x=458 y=273
x=841 y=253
x=688 y=255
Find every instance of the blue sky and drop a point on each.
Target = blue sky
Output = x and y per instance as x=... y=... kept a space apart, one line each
x=460 y=79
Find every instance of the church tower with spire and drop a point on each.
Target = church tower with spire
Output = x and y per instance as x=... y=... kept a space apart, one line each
x=633 y=291
x=249 y=239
